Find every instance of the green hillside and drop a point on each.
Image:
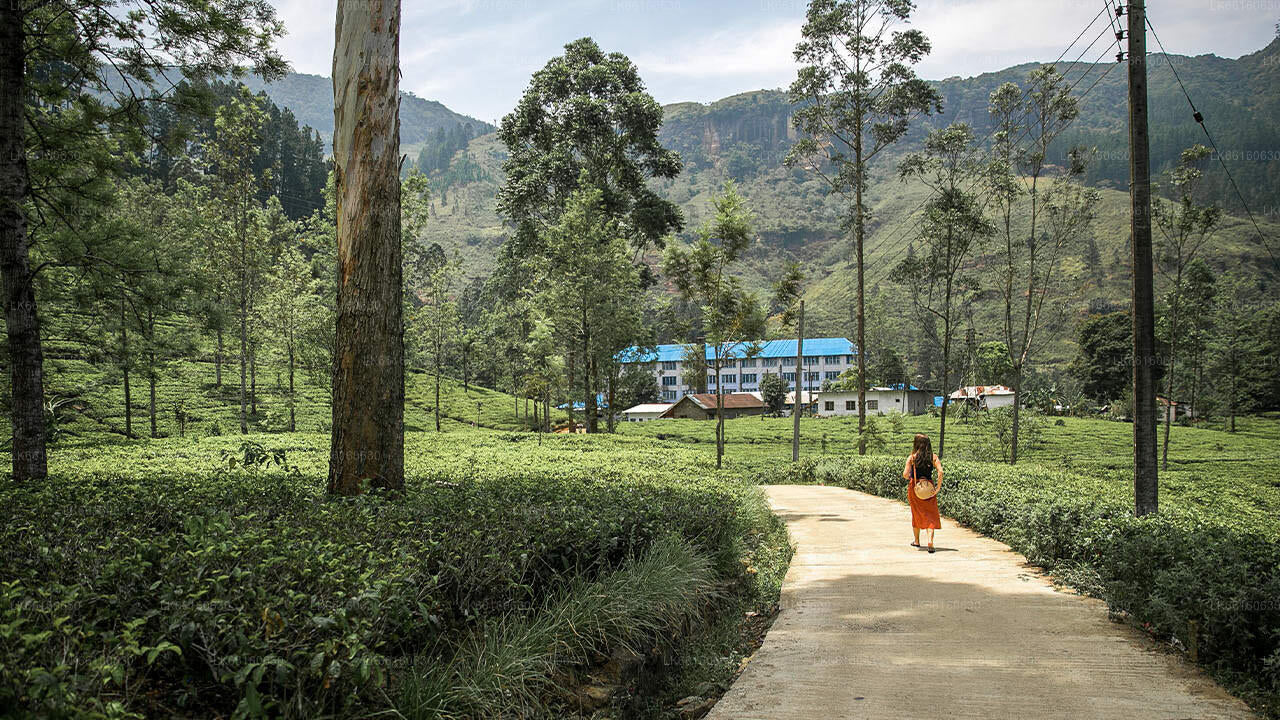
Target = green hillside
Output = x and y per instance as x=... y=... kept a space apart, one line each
x=746 y=136
x=310 y=97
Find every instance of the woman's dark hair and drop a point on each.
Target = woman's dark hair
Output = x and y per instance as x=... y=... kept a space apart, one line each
x=922 y=454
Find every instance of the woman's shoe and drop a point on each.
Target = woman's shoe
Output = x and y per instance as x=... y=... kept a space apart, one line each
x=930 y=549
x=915 y=545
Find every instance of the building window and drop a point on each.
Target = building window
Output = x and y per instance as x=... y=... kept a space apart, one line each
x=829 y=405
x=668 y=394
x=810 y=359
x=711 y=380
x=831 y=360
x=668 y=364
x=831 y=375
x=848 y=359
x=748 y=362
x=669 y=380
x=749 y=378
x=789 y=377
x=873 y=404
x=811 y=377
x=730 y=378
x=850 y=404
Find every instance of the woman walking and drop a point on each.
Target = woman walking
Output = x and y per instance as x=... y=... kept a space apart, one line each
x=919 y=471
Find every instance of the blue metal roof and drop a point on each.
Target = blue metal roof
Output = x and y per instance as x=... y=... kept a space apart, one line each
x=770 y=349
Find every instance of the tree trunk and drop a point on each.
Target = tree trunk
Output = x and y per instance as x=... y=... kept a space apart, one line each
x=26 y=357
x=244 y=337
x=1017 y=406
x=253 y=382
x=569 y=406
x=795 y=405
x=217 y=362
x=588 y=374
x=151 y=389
x=612 y=416
x=860 y=234
x=293 y=397
x=1170 y=414
x=368 y=378
x=719 y=413
x=437 y=392
x=124 y=367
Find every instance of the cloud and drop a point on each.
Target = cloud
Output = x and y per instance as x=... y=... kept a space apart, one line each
x=760 y=52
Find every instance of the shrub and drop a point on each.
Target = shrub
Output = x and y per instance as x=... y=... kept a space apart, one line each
x=159 y=579
x=1171 y=571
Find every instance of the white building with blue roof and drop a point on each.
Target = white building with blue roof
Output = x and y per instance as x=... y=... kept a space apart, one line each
x=824 y=359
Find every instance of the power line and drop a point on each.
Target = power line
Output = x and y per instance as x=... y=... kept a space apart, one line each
x=1199 y=118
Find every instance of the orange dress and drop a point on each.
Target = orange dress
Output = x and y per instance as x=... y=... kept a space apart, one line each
x=924 y=513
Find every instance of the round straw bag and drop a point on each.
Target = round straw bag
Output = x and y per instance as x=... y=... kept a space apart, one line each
x=924 y=489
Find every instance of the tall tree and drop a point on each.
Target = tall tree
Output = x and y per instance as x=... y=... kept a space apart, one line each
x=52 y=55
x=1235 y=346
x=584 y=122
x=1027 y=269
x=436 y=319
x=234 y=152
x=586 y=119
x=289 y=305
x=1185 y=227
x=368 y=365
x=591 y=289
x=856 y=94
x=953 y=229
x=732 y=316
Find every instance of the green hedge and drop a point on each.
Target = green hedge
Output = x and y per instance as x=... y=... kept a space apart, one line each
x=142 y=589
x=1165 y=571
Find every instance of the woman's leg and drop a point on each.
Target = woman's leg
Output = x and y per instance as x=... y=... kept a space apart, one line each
x=930 y=537
x=916 y=531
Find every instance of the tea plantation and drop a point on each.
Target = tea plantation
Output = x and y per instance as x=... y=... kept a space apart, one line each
x=213 y=577
x=1208 y=565
x=209 y=574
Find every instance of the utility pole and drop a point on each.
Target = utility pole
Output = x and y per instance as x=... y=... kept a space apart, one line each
x=1145 y=469
x=795 y=405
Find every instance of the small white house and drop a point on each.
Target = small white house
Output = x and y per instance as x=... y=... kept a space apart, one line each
x=645 y=411
x=984 y=397
x=880 y=401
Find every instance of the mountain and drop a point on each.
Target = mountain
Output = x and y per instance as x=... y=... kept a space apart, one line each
x=310 y=97
x=745 y=137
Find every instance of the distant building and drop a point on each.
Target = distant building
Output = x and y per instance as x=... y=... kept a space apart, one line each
x=984 y=397
x=645 y=411
x=703 y=406
x=824 y=359
x=906 y=399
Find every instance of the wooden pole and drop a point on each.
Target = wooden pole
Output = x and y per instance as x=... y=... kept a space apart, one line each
x=1145 y=469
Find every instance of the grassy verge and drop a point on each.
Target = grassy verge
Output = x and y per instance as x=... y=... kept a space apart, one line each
x=154 y=579
x=1189 y=577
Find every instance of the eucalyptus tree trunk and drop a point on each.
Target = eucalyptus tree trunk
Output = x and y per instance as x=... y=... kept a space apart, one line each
x=26 y=371
x=368 y=365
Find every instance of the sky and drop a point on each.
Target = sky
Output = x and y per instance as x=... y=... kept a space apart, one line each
x=476 y=56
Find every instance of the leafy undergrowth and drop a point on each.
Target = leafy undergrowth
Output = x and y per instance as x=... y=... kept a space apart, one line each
x=160 y=579
x=1184 y=569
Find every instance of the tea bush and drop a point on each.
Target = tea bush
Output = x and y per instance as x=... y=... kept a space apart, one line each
x=1179 y=569
x=163 y=579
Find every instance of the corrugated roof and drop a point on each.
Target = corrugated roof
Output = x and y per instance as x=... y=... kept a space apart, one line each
x=770 y=349
x=707 y=401
x=648 y=408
